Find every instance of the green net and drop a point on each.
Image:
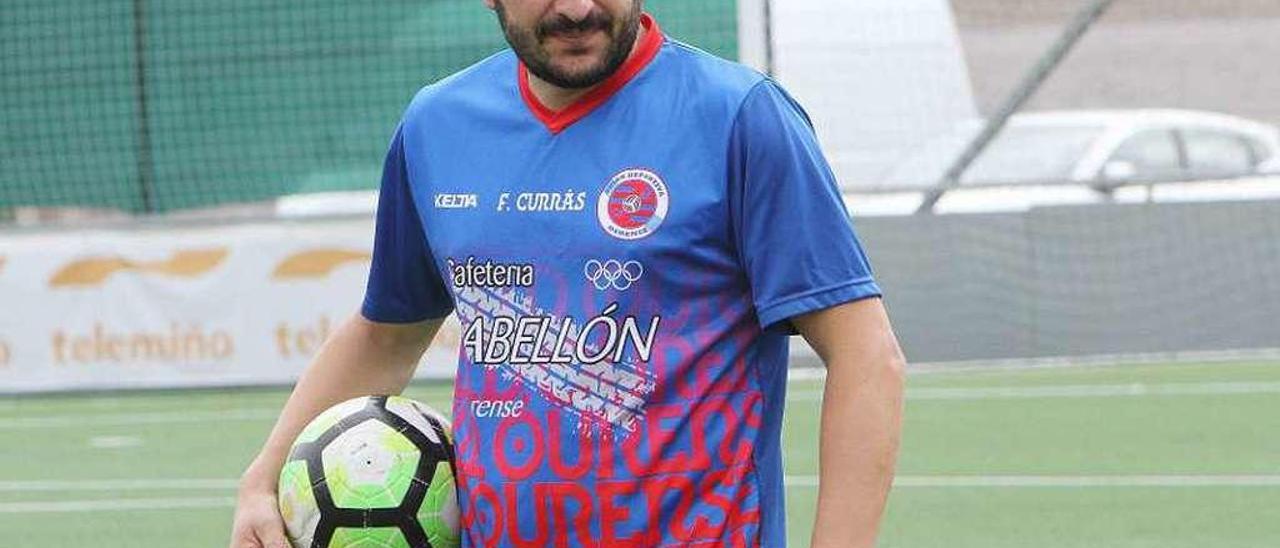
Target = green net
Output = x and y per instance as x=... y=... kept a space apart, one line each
x=154 y=106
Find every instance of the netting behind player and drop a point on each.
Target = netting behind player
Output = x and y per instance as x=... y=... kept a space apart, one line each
x=158 y=106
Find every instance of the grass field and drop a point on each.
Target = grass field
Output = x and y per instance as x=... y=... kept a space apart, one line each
x=1165 y=456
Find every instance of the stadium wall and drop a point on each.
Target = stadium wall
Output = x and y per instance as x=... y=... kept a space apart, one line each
x=151 y=306
x=1081 y=281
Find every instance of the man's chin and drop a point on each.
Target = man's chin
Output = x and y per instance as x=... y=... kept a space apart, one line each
x=574 y=76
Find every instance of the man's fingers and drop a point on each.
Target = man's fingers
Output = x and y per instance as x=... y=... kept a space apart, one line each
x=245 y=541
x=243 y=537
x=264 y=530
x=277 y=542
x=272 y=534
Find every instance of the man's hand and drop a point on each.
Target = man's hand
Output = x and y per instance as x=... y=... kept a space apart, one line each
x=257 y=522
x=861 y=419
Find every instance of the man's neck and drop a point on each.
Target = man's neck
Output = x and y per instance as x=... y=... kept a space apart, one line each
x=557 y=98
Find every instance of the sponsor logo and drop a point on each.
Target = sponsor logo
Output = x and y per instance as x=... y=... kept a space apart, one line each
x=457 y=201
x=299 y=340
x=94 y=271
x=181 y=343
x=595 y=370
x=498 y=409
x=316 y=263
x=528 y=339
x=633 y=204
x=472 y=273
x=613 y=274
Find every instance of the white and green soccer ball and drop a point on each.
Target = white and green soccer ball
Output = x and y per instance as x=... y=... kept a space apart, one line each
x=372 y=472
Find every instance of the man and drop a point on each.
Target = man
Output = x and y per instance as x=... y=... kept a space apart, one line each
x=629 y=230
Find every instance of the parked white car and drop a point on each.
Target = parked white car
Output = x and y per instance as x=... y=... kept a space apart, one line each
x=1093 y=152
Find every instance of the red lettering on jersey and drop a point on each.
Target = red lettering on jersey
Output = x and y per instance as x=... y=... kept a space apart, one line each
x=755 y=408
x=631 y=455
x=733 y=379
x=466 y=448
x=662 y=436
x=733 y=508
x=559 y=465
x=671 y=352
x=656 y=490
x=472 y=519
x=534 y=516
x=578 y=524
x=510 y=442
x=611 y=514
x=605 y=444
x=729 y=453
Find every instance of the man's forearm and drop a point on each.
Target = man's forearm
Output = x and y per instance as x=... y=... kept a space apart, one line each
x=861 y=421
x=359 y=359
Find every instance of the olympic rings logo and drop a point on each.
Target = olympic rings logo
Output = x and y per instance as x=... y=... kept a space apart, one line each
x=613 y=274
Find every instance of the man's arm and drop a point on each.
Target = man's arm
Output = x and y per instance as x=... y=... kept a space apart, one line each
x=361 y=358
x=861 y=419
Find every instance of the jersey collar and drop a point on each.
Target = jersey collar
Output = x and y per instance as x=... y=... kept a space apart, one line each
x=557 y=121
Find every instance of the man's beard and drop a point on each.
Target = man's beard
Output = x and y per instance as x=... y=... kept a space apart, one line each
x=527 y=43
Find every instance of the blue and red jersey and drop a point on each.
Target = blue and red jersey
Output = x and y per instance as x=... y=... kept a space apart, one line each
x=624 y=271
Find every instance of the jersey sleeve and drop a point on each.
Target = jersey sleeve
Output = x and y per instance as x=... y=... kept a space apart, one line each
x=794 y=236
x=404 y=284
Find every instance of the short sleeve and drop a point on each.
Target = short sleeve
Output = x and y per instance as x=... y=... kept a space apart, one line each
x=794 y=236
x=404 y=284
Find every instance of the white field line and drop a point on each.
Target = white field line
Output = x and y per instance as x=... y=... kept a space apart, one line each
x=1146 y=480
x=1069 y=481
x=806 y=364
x=173 y=416
x=115 y=442
x=1075 y=391
x=800 y=482
x=177 y=416
x=123 y=405
x=119 y=485
x=115 y=505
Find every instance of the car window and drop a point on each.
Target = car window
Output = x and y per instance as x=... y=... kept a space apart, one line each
x=1261 y=152
x=1212 y=153
x=1152 y=153
x=1033 y=154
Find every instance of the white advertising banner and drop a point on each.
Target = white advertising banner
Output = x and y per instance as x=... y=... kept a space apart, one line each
x=242 y=304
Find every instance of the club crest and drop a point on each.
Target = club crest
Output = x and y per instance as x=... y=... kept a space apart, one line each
x=633 y=204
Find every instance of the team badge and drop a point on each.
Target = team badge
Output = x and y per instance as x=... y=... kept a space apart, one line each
x=633 y=204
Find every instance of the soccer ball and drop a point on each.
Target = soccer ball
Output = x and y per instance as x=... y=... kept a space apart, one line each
x=372 y=472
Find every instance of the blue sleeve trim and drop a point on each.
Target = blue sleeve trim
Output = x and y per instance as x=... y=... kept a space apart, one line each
x=816 y=299
x=373 y=314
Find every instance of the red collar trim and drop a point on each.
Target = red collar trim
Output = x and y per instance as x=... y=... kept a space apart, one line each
x=557 y=121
